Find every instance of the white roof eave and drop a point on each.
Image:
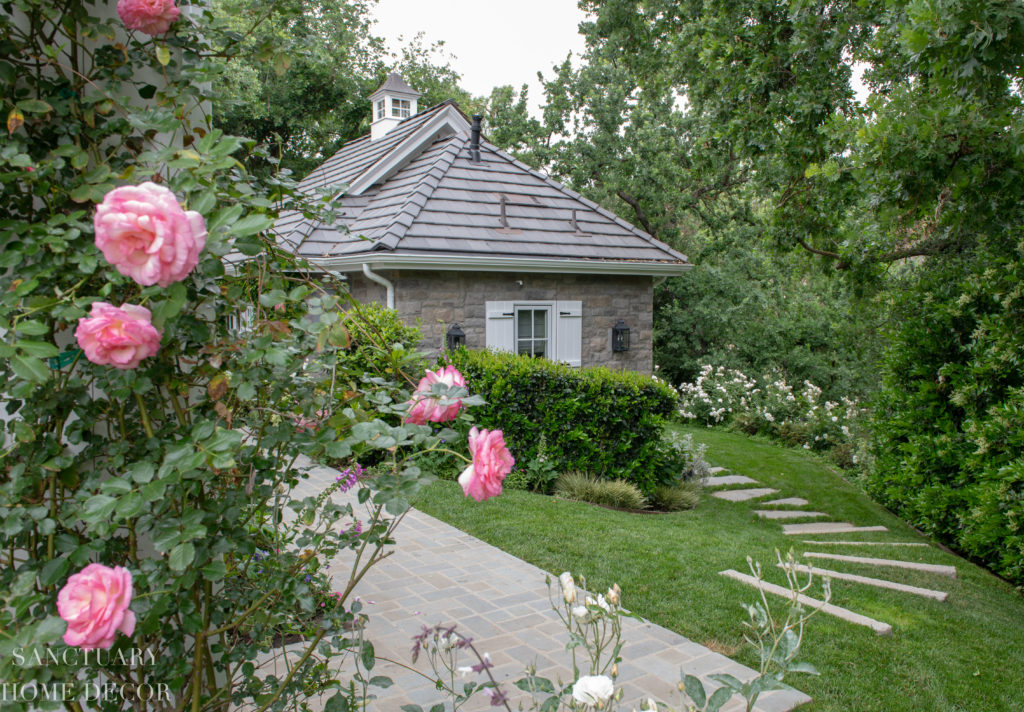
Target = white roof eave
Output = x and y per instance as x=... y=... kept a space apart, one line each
x=480 y=263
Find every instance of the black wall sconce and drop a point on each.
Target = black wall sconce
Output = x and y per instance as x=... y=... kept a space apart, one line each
x=455 y=337
x=620 y=336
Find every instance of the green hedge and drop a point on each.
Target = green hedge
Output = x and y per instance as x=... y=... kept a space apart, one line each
x=607 y=423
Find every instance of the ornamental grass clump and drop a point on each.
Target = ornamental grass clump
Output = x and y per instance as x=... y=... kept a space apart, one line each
x=676 y=498
x=610 y=493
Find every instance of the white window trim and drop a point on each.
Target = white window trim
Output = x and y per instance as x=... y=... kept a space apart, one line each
x=565 y=334
x=550 y=320
x=401 y=108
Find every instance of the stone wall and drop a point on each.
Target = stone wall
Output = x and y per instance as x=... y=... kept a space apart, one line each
x=437 y=299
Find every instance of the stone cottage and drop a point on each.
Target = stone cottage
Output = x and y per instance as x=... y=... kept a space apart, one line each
x=478 y=247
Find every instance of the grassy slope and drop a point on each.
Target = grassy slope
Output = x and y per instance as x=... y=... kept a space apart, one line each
x=962 y=654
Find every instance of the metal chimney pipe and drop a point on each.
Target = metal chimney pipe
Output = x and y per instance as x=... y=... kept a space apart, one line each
x=474 y=139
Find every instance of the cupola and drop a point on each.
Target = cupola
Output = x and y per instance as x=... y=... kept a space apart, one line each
x=392 y=103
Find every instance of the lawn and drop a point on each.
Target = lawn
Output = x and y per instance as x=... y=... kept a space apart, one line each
x=962 y=654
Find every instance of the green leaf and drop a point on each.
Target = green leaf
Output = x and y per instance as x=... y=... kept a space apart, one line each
x=49 y=630
x=98 y=508
x=181 y=556
x=116 y=485
x=366 y=655
x=129 y=505
x=338 y=703
x=224 y=216
x=53 y=571
x=141 y=472
x=215 y=570
x=250 y=225
x=34 y=106
x=31 y=369
x=39 y=349
x=163 y=55
x=381 y=681
x=695 y=690
x=32 y=328
x=718 y=698
x=802 y=667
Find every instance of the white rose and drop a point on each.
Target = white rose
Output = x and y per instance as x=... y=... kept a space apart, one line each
x=593 y=690
x=579 y=611
x=568 y=587
x=600 y=603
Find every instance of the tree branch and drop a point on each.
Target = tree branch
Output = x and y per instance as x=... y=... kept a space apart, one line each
x=641 y=216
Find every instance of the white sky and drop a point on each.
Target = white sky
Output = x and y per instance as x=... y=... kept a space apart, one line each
x=494 y=43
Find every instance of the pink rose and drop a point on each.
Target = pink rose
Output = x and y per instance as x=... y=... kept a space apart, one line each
x=491 y=462
x=435 y=409
x=117 y=336
x=146 y=235
x=154 y=17
x=94 y=602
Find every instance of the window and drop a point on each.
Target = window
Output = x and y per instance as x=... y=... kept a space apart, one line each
x=552 y=329
x=532 y=332
x=400 y=108
x=380 y=108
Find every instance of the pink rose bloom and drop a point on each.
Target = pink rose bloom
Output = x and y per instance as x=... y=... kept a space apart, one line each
x=491 y=462
x=435 y=409
x=144 y=233
x=154 y=17
x=94 y=602
x=117 y=336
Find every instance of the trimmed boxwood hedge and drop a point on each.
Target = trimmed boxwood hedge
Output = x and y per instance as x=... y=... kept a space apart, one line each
x=607 y=423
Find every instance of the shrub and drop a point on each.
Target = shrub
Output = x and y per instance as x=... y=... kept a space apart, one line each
x=375 y=333
x=611 y=493
x=685 y=495
x=770 y=406
x=608 y=423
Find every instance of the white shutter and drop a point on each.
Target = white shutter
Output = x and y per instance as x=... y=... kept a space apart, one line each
x=500 y=326
x=569 y=332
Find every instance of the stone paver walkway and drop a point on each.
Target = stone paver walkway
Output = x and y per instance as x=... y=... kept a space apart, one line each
x=723 y=480
x=742 y=495
x=439 y=574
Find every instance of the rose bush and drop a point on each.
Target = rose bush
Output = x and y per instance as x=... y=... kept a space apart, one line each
x=171 y=450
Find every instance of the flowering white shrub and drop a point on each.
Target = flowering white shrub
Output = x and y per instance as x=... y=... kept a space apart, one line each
x=798 y=415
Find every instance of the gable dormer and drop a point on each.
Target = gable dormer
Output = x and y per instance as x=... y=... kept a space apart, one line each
x=391 y=104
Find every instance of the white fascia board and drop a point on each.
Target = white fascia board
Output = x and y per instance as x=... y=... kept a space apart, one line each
x=408 y=149
x=469 y=263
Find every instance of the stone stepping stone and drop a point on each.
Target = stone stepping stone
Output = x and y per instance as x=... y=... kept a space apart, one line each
x=863 y=543
x=786 y=514
x=787 y=502
x=716 y=470
x=828 y=528
x=843 y=613
x=728 y=480
x=867 y=580
x=742 y=495
x=912 y=565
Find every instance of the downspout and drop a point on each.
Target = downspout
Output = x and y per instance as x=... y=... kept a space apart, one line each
x=658 y=281
x=390 y=287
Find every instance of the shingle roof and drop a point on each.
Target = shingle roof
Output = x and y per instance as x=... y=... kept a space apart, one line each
x=396 y=85
x=444 y=205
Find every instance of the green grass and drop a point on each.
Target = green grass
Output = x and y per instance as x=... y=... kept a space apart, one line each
x=962 y=654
